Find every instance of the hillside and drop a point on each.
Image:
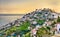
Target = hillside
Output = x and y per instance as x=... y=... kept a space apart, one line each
x=42 y=19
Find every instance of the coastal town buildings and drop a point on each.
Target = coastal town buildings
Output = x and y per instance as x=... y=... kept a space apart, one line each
x=36 y=19
x=57 y=27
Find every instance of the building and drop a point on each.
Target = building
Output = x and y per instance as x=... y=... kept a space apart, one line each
x=58 y=27
x=47 y=23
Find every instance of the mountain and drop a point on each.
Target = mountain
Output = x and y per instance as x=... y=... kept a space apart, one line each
x=42 y=14
x=30 y=21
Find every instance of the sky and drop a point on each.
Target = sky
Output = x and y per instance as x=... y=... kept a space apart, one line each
x=27 y=6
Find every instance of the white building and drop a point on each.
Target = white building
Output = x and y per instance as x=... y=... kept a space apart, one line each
x=55 y=15
x=34 y=32
x=34 y=22
x=58 y=27
x=47 y=23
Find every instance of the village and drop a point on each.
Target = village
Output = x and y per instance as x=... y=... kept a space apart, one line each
x=39 y=23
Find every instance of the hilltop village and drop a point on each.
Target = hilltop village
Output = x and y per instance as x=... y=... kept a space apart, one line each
x=38 y=23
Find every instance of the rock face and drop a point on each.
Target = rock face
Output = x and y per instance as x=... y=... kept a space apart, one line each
x=43 y=14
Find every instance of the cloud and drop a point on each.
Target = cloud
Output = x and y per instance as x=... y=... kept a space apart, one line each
x=15 y=1
x=24 y=6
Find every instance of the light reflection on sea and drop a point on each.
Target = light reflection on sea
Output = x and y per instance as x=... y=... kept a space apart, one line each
x=6 y=19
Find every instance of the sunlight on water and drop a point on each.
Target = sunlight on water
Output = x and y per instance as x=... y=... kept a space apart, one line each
x=6 y=19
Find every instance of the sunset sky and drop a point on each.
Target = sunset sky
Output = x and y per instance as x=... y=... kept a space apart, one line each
x=26 y=6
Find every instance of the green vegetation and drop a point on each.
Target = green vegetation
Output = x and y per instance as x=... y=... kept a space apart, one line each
x=40 y=21
x=53 y=24
x=58 y=20
x=24 y=26
x=40 y=18
x=11 y=30
x=43 y=31
x=28 y=34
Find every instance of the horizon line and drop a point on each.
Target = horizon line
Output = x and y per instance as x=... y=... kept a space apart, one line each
x=11 y=14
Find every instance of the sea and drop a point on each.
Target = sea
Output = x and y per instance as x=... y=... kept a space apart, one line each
x=8 y=18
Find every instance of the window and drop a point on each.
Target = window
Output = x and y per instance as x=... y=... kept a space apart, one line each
x=46 y=13
x=52 y=15
x=59 y=29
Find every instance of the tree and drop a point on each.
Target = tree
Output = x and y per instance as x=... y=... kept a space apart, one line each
x=53 y=24
x=43 y=32
x=58 y=20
